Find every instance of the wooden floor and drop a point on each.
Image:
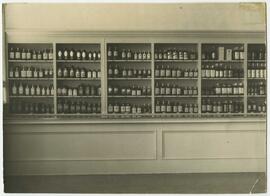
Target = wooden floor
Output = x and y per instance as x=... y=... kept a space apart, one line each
x=146 y=183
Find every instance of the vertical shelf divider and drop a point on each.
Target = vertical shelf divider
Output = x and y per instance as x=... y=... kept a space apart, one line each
x=245 y=78
x=153 y=77
x=199 y=82
x=55 y=78
x=104 y=79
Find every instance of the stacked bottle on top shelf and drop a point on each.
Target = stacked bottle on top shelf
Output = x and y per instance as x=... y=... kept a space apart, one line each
x=255 y=107
x=168 y=72
x=127 y=108
x=175 y=107
x=173 y=89
x=127 y=54
x=30 y=72
x=77 y=73
x=71 y=54
x=220 y=70
x=135 y=91
x=81 y=90
x=257 y=70
x=117 y=72
x=221 y=53
x=20 y=89
x=175 y=54
x=79 y=107
x=30 y=54
x=257 y=53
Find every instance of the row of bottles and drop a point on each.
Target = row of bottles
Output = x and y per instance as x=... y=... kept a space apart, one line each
x=81 y=107
x=127 y=54
x=256 y=88
x=71 y=54
x=30 y=54
x=129 y=91
x=126 y=108
x=116 y=72
x=257 y=70
x=175 y=54
x=255 y=107
x=29 y=108
x=257 y=54
x=30 y=72
x=77 y=73
x=219 y=70
x=168 y=72
x=81 y=90
x=31 y=90
x=175 y=107
x=173 y=89
x=236 y=88
x=220 y=53
x=209 y=106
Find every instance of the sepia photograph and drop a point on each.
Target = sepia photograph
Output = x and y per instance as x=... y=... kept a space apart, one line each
x=134 y=97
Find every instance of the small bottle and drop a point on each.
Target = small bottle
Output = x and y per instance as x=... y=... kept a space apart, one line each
x=23 y=54
x=110 y=108
x=60 y=54
x=65 y=54
x=51 y=54
x=23 y=72
x=38 y=90
x=78 y=55
x=43 y=91
x=11 y=53
x=83 y=75
x=39 y=55
x=33 y=90
x=109 y=53
x=11 y=73
x=65 y=73
x=115 y=54
x=21 y=89
x=83 y=55
x=90 y=55
x=28 y=54
x=71 y=72
x=129 y=55
x=14 y=89
x=123 y=54
x=18 y=54
x=45 y=55
x=59 y=73
x=94 y=55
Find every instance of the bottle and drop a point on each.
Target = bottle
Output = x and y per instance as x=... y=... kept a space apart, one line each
x=83 y=73
x=236 y=53
x=136 y=57
x=51 y=54
x=71 y=54
x=11 y=73
x=98 y=55
x=116 y=71
x=59 y=73
x=23 y=72
x=11 y=54
x=94 y=55
x=23 y=54
x=140 y=57
x=115 y=54
x=90 y=55
x=162 y=89
x=217 y=89
x=84 y=58
x=110 y=108
x=14 y=89
x=116 y=108
x=129 y=55
x=123 y=54
x=71 y=72
x=213 y=54
x=17 y=54
x=43 y=91
x=179 y=108
x=163 y=107
x=65 y=73
x=185 y=53
x=148 y=55
x=168 y=72
x=21 y=89
x=127 y=108
x=51 y=90
x=29 y=73
x=168 y=89
x=168 y=107
x=39 y=55
x=162 y=71
x=109 y=53
x=181 y=55
x=78 y=55
x=175 y=54
x=45 y=55
x=207 y=72
x=28 y=54
x=17 y=72
x=124 y=72
x=94 y=74
x=60 y=54
x=65 y=54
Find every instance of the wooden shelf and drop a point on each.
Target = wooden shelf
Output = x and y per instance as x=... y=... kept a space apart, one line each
x=222 y=78
x=223 y=61
x=176 y=78
x=37 y=79
x=129 y=96
x=256 y=78
x=224 y=96
x=25 y=96
x=177 y=61
x=256 y=61
x=256 y=96
x=130 y=61
x=30 y=61
x=176 y=96
x=67 y=96
x=78 y=61
x=129 y=78
x=80 y=79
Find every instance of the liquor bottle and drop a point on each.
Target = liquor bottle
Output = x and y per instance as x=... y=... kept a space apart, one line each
x=175 y=54
x=109 y=53
x=181 y=55
x=90 y=55
x=110 y=108
x=236 y=53
x=116 y=71
x=212 y=71
x=94 y=55
x=59 y=73
x=11 y=73
x=65 y=73
x=14 y=89
x=241 y=88
x=83 y=73
x=148 y=55
x=179 y=108
x=213 y=54
x=71 y=72
x=162 y=89
x=129 y=55
x=84 y=56
x=207 y=71
x=178 y=90
x=23 y=54
x=185 y=54
x=43 y=91
x=115 y=54
x=39 y=55
x=133 y=91
x=65 y=54
x=174 y=108
x=28 y=54
x=51 y=90
x=162 y=71
x=98 y=55
x=186 y=73
x=136 y=57
x=45 y=55
x=66 y=107
x=140 y=57
x=168 y=72
x=51 y=54
x=94 y=74
x=23 y=72
x=116 y=108
x=168 y=107
x=241 y=53
x=71 y=54
x=11 y=53
x=46 y=73
x=169 y=54
x=78 y=55
x=123 y=54
x=160 y=55
x=17 y=54
x=168 y=89
x=163 y=107
x=123 y=108
x=192 y=55
x=21 y=89
x=127 y=108
x=165 y=55
x=124 y=72
x=29 y=73
x=60 y=54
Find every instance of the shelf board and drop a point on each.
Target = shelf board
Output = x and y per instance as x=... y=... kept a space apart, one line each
x=175 y=96
x=25 y=96
x=30 y=61
x=129 y=96
x=129 y=78
x=223 y=61
x=79 y=114
x=37 y=79
x=80 y=79
x=256 y=61
x=176 y=78
x=223 y=78
x=256 y=96
x=224 y=96
x=177 y=61
x=77 y=61
x=67 y=96
x=256 y=78
x=127 y=61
